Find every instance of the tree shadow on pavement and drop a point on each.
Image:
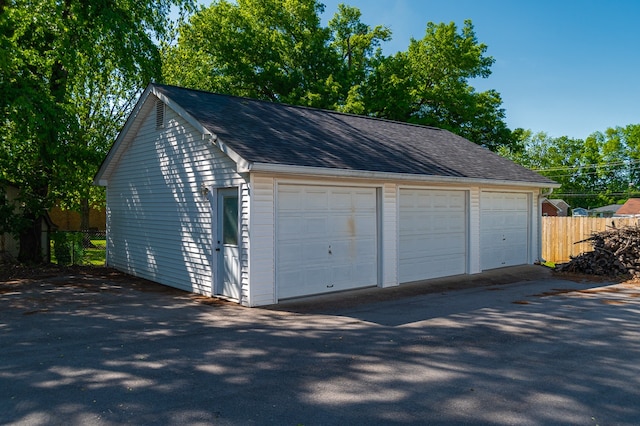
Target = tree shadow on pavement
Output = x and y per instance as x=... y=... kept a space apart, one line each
x=97 y=350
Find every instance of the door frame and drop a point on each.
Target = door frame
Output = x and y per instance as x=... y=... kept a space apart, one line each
x=217 y=196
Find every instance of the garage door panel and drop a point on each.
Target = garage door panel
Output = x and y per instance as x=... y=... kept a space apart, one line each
x=504 y=224
x=315 y=200
x=416 y=248
x=290 y=253
x=341 y=200
x=297 y=227
x=349 y=250
x=442 y=265
x=365 y=202
x=288 y=200
x=344 y=226
x=314 y=226
x=336 y=244
x=433 y=234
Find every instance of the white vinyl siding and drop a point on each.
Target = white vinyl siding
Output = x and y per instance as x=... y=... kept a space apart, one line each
x=262 y=266
x=389 y=244
x=159 y=220
x=474 y=231
x=505 y=229
x=244 y=243
x=433 y=234
x=326 y=239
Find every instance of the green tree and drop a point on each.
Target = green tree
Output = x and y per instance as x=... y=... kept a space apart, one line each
x=358 y=46
x=429 y=84
x=54 y=53
x=630 y=137
x=602 y=169
x=277 y=50
x=266 y=49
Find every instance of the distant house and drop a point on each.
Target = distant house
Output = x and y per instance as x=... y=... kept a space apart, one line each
x=563 y=207
x=549 y=209
x=629 y=209
x=579 y=212
x=554 y=207
x=259 y=202
x=605 y=211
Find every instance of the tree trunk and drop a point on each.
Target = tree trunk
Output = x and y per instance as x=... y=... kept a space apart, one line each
x=31 y=241
x=84 y=214
x=84 y=222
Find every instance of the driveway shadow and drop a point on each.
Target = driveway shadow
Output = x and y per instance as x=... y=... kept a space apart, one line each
x=442 y=297
x=102 y=349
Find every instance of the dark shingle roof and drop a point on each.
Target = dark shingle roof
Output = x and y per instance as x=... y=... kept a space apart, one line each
x=265 y=132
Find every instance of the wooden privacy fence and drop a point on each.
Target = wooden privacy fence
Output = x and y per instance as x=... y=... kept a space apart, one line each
x=560 y=233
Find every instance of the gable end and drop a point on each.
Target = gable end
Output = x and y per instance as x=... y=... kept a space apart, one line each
x=159 y=114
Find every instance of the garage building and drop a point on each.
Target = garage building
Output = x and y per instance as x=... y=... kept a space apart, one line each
x=259 y=202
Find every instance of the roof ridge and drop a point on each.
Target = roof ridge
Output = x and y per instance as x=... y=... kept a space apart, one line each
x=303 y=107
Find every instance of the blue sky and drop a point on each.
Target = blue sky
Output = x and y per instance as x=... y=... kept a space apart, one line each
x=564 y=67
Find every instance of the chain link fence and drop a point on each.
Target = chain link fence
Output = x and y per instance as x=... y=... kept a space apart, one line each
x=78 y=247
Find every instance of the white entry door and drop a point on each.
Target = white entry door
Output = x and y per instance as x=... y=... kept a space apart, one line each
x=227 y=244
x=326 y=239
x=433 y=234
x=504 y=229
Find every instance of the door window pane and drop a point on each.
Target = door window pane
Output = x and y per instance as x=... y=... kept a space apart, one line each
x=230 y=220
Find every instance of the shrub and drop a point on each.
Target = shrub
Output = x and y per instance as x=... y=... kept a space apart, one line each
x=68 y=248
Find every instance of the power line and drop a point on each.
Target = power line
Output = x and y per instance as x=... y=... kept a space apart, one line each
x=595 y=194
x=589 y=166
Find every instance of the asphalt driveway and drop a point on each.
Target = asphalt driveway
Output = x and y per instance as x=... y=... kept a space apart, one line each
x=102 y=349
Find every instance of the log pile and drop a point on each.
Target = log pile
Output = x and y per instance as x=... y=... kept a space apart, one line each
x=616 y=251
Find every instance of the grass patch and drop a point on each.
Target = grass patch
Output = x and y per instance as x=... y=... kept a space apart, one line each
x=94 y=254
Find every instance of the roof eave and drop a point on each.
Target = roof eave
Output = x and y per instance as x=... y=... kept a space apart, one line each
x=102 y=176
x=241 y=164
x=364 y=174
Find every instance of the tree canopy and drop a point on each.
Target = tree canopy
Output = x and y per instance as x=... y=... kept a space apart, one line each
x=600 y=170
x=68 y=72
x=278 y=50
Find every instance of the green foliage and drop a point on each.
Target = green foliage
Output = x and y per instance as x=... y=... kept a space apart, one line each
x=265 y=49
x=68 y=247
x=277 y=50
x=68 y=74
x=6 y=212
x=355 y=43
x=428 y=84
x=600 y=170
x=95 y=254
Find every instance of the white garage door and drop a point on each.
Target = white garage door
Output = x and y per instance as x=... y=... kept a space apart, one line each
x=504 y=229
x=326 y=239
x=433 y=237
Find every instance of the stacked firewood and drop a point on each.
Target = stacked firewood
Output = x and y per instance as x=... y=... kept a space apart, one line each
x=616 y=251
